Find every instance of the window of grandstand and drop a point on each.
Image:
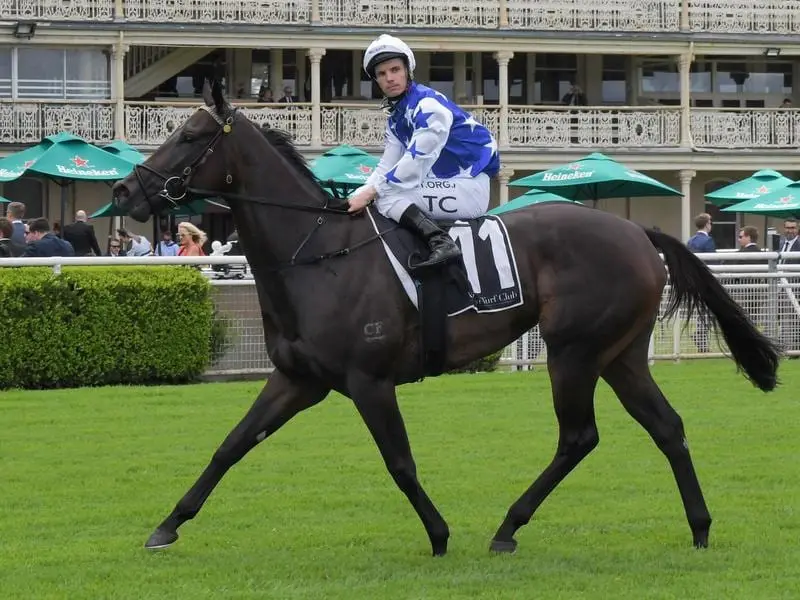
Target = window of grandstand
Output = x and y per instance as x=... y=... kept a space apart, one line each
x=55 y=73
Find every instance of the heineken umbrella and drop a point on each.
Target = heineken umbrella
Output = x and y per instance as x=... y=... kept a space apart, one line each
x=758 y=184
x=64 y=158
x=345 y=166
x=126 y=151
x=782 y=203
x=595 y=177
x=4 y=200
x=528 y=199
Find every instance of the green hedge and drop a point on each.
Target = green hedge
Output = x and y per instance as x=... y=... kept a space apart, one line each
x=103 y=325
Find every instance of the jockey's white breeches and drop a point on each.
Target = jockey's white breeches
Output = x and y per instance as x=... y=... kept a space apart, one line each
x=443 y=199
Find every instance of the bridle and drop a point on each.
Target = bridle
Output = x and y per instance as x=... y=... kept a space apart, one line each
x=176 y=188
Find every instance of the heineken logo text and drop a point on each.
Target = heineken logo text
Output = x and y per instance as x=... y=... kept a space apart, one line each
x=88 y=172
x=567 y=176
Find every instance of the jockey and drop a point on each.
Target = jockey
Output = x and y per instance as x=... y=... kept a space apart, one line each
x=431 y=144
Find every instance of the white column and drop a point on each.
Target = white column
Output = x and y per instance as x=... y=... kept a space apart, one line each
x=118 y=52
x=315 y=56
x=686 y=177
x=276 y=72
x=686 y=90
x=504 y=175
x=477 y=75
x=459 y=76
x=355 y=82
x=503 y=59
x=300 y=83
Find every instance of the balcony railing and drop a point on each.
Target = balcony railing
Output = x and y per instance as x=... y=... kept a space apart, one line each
x=745 y=128
x=28 y=121
x=714 y=16
x=148 y=124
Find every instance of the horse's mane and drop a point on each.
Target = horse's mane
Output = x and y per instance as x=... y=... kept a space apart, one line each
x=282 y=142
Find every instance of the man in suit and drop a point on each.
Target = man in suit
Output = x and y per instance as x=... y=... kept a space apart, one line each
x=789 y=242
x=753 y=300
x=41 y=242
x=788 y=318
x=15 y=214
x=8 y=247
x=81 y=235
x=702 y=240
x=287 y=97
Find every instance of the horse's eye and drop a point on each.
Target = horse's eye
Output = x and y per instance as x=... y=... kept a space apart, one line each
x=186 y=137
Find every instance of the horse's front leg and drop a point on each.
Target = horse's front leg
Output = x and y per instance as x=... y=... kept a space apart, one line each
x=376 y=401
x=280 y=400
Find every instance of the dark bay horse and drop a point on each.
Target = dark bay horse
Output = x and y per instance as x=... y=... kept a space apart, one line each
x=336 y=318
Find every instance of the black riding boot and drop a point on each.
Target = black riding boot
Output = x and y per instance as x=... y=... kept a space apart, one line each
x=443 y=248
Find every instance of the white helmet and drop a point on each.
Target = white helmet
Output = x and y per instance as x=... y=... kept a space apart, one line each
x=385 y=48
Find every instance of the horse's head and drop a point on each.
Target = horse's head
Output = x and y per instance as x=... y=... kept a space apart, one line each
x=162 y=181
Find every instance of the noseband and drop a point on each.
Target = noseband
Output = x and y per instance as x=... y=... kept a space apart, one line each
x=176 y=187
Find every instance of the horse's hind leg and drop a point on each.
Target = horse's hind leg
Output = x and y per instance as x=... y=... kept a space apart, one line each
x=279 y=401
x=629 y=376
x=573 y=379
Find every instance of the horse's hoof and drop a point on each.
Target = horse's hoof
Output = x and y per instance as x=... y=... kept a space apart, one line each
x=161 y=538
x=700 y=539
x=500 y=546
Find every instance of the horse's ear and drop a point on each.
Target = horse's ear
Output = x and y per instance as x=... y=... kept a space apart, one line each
x=217 y=96
x=208 y=97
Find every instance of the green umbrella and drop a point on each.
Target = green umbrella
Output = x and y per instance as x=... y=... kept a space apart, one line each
x=595 y=177
x=758 y=184
x=4 y=200
x=528 y=199
x=346 y=166
x=65 y=157
x=126 y=151
x=782 y=203
x=196 y=207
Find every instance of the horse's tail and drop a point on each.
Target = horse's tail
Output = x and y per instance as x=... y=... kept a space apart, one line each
x=695 y=288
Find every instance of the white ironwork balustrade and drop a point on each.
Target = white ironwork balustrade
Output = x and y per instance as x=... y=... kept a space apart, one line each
x=254 y=12
x=745 y=16
x=639 y=127
x=745 y=128
x=149 y=124
x=600 y=15
x=28 y=121
x=57 y=10
x=472 y=14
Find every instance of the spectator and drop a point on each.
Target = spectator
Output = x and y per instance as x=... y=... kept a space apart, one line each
x=41 y=242
x=191 y=239
x=81 y=235
x=702 y=240
x=15 y=214
x=8 y=247
x=139 y=245
x=167 y=246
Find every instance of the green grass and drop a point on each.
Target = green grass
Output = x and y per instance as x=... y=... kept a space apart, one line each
x=85 y=475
